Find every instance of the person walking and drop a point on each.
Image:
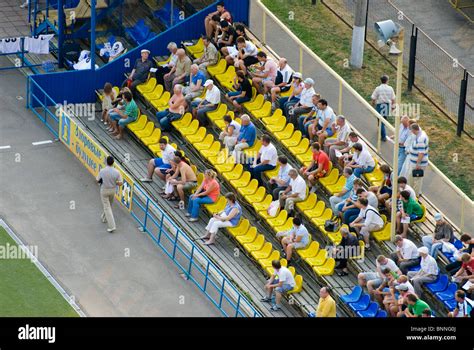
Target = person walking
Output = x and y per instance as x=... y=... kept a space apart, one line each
x=383 y=98
x=108 y=178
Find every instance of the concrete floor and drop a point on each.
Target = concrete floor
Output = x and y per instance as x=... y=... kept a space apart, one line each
x=91 y=264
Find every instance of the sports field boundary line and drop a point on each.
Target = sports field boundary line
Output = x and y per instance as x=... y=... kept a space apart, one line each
x=69 y=299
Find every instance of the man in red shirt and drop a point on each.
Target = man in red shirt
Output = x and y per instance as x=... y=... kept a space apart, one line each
x=466 y=272
x=319 y=166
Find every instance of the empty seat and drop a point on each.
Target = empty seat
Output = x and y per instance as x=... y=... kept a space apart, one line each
x=257 y=244
x=248 y=237
x=264 y=111
x=240 y=229
x=353 y=296
x=146 y=131
x=139 y=124
x=218 y=68
x=298 y=285
x=371 y=310
x=439 y=285
x=262 y=205
x=309 y=252
x=147 y=87
x=183 y=122
x=153 y=138
x=308 y=203
x=257 y=196
x=262 y=253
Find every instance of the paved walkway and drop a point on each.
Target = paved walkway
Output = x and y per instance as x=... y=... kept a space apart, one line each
x=13 y=19
x=91 y=264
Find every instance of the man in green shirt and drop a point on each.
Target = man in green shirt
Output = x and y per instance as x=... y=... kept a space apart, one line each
x=127 y=116
x=415 y=306
x=411 y=211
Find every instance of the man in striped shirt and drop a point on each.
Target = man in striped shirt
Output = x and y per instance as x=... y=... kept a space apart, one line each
x=418 y=157
x=383 y=98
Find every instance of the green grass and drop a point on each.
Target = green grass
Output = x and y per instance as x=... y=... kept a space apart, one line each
x=330 y=39
x=25 y=291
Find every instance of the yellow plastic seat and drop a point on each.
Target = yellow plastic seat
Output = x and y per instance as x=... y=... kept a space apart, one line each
x=298 y=285
x=278 y=220
x=273 y=172
x=216 y=207
x=224 y=167
x=288 y=93
x=330 y=179
x=267 y=262
x=263 y=111
x=319 y=221
x=318 y=259
x=250 y=189
x=204 y=144
x=139 y=124
x=337 y=187
x=117 y=90
x=334 y=237
x=309 y=203
x=252 y=151
x=155 y=94
x=242 y=181
x=190 y=129
x=361 y=250
x=220 y=122
x=235 y=173
x=218 y=113
x=383 y=234
x=306 y=157
x=375 y=178
x=423 y=217
x=147 y=86
x=194 y=49
x=262 y=253
x=153 y=138
x=257 y=244
x=241 y=229
x=294 y=140
x=270 y=270
x=300 y=148
x=161 y=102
x=162 y=63
x=327 y=269
x=212 y=151
x=286 y=133
x=258 y=196
x=262 y=205
x=146 y=131
x=183 y=122
x=226 y=77
x=288 y=225
x=255 y=104
x=249 y=237
x=218 y=68
x=317 y=211
x=198 y=136
x=311 y=251
x=274 y=118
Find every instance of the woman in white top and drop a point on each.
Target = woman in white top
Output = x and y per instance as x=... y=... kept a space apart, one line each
x=230 y=133
x=109 y=95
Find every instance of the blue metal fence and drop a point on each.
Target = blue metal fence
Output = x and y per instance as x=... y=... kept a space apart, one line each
x=40 y=103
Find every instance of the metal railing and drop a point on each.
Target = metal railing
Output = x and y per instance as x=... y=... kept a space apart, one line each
x=439 y=189
x=36 y=95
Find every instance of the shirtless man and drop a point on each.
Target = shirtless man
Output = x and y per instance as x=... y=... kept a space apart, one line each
x=187 y=181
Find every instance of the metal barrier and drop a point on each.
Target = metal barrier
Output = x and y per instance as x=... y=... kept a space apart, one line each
x=441 y=191
x=44 y=103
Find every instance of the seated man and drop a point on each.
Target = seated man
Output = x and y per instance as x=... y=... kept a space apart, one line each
x=175 y=110
x=196 y=84
x=416 y=306
x=183 y=180
x=222 y=13
x=266 y=159
x=466 y=272
x=295 y=95
x=246 y=139
x=179 y=72
x=319 y=166
x=281 y=282
x=347 y=210
x=346 y=190
x=464 y=306
x=381 y=296
x=264 y=79
x=406 y=254
x=374 y=280
x=402 y=186
x=323 y=125
x=294 y=193
x=346 y=153
x=384 y=191
x=340 y=142
x=166 y=67
x=282 y=80
x=141 y=69
x=282 y=180
x=296 y=238
x=230 y=133
x=210 y=56
x=211 y=102
x=368 y=221
x=244 y=56
x=428 y=273
x=362 y=161
x=398 y=308
x=120 y=119
x=443 y=232
x=160 y=165
x=242 y=93
x=306 y=122
x=226 y=41
x=345 y=249
x=304 y=105
x=410 y=211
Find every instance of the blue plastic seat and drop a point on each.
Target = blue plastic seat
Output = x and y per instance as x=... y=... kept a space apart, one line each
x=414 y=268
x=361 y=304
x=439 y=285
x=381 y=314
x=353 y=296
x=371 y=311
x=450 y=304
x=458 y=244
x=448 y=293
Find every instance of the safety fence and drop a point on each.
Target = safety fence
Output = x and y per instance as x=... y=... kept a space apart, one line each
x=164 y=232
x=444 y=194
x=438 y=75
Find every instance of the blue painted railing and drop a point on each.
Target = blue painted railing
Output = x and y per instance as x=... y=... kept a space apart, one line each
x=39 y=102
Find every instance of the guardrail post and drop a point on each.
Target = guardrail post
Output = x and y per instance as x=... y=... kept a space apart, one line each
x=161 y=227
x=175 y=243
x=222 y=293
x=366 y=20
x=206 y=277
x=146 y=214
x=379 y=134
x=412 y=60
x=237 y=307
x=188 y=274
x=462 y=104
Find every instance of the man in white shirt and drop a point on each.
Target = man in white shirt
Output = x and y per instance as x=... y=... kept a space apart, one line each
x=383 y=98
x=373 y=280
x=282 y=81
x=428 y=272
x=294 y=109
x=369 y=220
x=340 y=142
x=266 y=159
x=295 y=238
x=161 y=165
x=294 y=193
x=362 y=161
x=326 y=121
x=245 y=56
x=282 y=180
x=417 y=158
x=211 y=101
x=282 y=281
x=406 y=254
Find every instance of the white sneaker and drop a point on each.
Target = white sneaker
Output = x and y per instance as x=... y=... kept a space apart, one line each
x=146 y=179
x=111 y=230
x=181 y=205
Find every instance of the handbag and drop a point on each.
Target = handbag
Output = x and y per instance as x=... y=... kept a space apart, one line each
x=331 y=225
x=418 y=173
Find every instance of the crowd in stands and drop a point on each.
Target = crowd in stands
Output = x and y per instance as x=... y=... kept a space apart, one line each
x=395 y=284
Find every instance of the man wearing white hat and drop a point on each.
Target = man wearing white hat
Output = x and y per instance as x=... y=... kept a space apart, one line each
x=427 y=273
x=304 y=105
x=140 y=71
x=179 y=72
x=443 y=233
x=210 y=103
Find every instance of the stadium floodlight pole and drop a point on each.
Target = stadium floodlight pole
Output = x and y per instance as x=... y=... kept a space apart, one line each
x=358 y=34
x=93 y=33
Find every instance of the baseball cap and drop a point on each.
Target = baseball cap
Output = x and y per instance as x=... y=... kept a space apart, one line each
x=423 y=250
x=438 y=216
x=208 y=82
x=309 y=81
x=145 y=50
x=402 y=287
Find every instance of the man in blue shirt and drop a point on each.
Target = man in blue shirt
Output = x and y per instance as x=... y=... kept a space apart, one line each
x=246 y=139
x=402 y=137
x=196 y=84
x=346 y=190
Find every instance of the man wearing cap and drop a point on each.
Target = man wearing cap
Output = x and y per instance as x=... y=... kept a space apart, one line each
x=443 y=233
x=427 y=273
x=179 y=73
x=210 y=103
x=304 y=105
x=140 y=71
x=398 y=309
